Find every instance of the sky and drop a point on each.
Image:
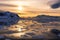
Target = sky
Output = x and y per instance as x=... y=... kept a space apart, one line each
x=32 y=6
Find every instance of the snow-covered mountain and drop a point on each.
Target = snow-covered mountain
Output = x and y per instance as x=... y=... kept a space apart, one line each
x=46 y=18
x=8 y=18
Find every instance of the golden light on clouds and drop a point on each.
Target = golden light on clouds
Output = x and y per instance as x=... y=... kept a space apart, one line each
x=29 y=8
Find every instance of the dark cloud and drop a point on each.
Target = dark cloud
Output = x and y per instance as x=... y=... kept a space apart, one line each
x=54 y=6
x=9 y=5
x=54 y=3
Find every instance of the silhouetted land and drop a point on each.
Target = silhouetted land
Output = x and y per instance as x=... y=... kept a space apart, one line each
x=39 y=27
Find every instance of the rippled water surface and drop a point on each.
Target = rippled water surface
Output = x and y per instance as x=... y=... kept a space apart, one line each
x=29 y=29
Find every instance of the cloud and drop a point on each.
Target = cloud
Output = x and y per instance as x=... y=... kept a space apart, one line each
x=54 y=3
x=37 y=4
x=9 y=5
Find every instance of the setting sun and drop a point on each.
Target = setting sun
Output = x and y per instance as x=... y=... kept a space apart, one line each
x=20 y=8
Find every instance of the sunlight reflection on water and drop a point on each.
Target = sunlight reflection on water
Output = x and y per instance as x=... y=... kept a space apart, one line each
x=23 y=26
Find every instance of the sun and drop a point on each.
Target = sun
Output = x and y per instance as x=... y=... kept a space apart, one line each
x=20 y=8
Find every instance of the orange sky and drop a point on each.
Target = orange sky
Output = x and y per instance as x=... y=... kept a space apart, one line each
x=29 y=7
